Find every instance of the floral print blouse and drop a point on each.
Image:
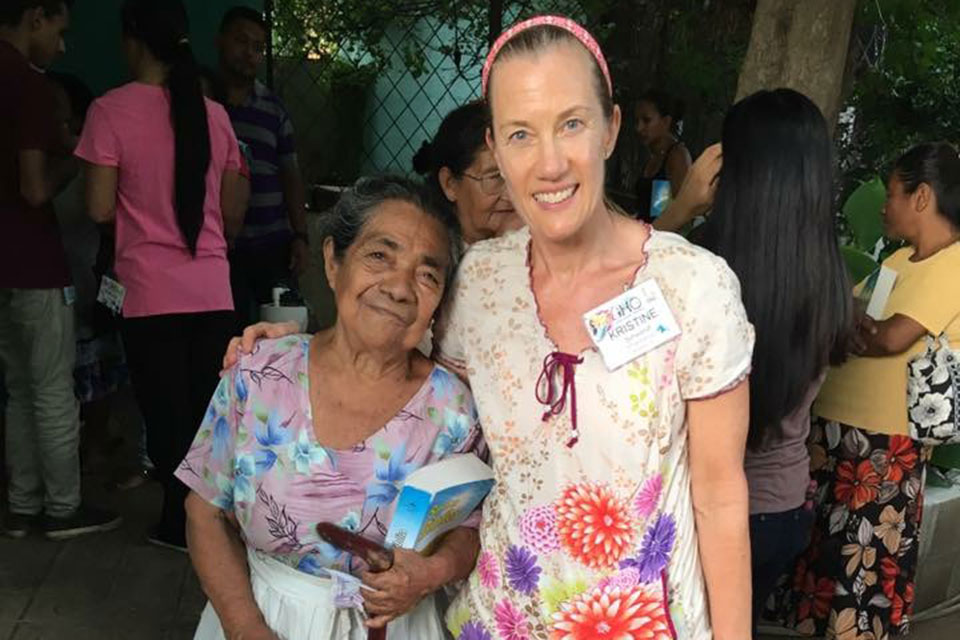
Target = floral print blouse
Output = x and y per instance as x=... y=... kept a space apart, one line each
x=256 y=455
x=597 y=539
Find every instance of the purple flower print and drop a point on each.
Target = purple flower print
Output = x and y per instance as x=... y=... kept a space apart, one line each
x=522 y=570
x=655 y=549
x=473 y=631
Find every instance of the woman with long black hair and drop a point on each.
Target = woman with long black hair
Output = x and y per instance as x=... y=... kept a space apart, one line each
x=162 y=163
x=772 y=221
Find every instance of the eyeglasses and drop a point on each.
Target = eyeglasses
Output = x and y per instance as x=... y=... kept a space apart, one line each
x=490 y=184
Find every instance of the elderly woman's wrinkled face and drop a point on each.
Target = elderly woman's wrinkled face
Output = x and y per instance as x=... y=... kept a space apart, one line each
x=551 y=138
x=390 y=281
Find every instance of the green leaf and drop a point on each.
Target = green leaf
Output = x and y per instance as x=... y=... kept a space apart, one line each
x=863 y=210
x=859 y=264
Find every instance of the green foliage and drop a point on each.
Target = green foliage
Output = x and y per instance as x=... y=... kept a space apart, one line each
x=862 y=212
x=908 y=88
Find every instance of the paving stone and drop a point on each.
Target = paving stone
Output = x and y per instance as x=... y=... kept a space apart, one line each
x=23 y=566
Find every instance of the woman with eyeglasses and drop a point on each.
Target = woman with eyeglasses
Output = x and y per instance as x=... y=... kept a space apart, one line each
x=463 y=172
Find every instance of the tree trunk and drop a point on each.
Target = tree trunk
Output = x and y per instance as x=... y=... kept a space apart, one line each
x=800 y=45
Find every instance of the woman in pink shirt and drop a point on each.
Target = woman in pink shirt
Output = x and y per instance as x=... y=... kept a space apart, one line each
x=162 y=163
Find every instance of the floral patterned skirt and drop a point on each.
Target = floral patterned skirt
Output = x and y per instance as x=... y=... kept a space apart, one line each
x=856 y=579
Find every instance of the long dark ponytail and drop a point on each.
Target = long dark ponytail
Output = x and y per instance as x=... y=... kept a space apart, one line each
x=162 y=26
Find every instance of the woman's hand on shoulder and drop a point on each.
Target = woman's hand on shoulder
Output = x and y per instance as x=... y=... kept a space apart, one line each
x=397 y=591
x=260 y=331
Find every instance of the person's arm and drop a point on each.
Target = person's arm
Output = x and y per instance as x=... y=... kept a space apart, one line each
x=234 y=196
x=219 y=558
x=678 y=164
x=43 y=177
x=696 y=191
x=877 y=339
x=718 y=435
x=413 y=576
x=101 y=192
x=295 y=199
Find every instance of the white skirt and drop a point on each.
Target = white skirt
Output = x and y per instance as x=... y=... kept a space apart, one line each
x=297 y=606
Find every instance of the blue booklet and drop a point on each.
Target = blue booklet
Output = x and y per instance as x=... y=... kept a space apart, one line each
x=437 y=498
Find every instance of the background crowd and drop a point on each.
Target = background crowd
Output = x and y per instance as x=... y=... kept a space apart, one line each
x=145 y=227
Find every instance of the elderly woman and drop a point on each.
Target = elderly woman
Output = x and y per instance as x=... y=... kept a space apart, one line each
x=463 y=172
x=609 y=364
x=325 y=429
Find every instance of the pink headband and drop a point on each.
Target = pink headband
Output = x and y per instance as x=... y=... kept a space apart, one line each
x=566 y=24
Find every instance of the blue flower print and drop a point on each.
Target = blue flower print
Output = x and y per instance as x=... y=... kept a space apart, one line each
x=240 y=388
x=304 y=453
x=456 y=429
x=265 y=459
x=523 y=574
x=244 y=472
x=311 y=564
x=271 y=433
x=350 y=522
x=222 y=439
x=391 y=473
x=442 y=383
x=225 y=498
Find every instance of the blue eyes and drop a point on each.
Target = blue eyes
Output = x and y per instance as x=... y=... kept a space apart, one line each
x=571 y=125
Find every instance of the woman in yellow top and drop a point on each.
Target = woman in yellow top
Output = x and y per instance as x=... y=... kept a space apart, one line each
x=857 y=576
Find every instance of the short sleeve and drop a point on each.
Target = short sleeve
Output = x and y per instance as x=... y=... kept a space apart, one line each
x=453 y=407
x=716 y=346
x=234 y=160
x=447 y=343
x=99 y=143
x=931 y=297
x=208 y=468
x=37 y=120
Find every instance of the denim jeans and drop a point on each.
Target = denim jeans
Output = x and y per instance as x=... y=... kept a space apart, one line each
x=37 y=354
x=776 y=539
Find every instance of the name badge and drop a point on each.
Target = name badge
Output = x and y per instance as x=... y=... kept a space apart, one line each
x=111 y=294
x=632 y=324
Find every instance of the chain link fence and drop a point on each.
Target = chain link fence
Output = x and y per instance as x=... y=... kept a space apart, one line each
x=367 y=81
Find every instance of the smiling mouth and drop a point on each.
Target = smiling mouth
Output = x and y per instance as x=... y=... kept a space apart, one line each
x=555 y=197
x=393 y=314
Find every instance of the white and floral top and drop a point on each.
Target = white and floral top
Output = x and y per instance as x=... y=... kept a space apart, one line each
x=596 y=539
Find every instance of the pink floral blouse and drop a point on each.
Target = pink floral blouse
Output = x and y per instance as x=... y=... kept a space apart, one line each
x=256 y=455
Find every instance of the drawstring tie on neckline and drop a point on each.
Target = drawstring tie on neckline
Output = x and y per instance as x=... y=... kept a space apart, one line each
x=547 y=393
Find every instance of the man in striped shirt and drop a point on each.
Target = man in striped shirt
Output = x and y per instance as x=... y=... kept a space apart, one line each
x=273 y=241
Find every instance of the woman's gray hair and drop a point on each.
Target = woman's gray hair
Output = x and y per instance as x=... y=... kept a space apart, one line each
x=360 y=203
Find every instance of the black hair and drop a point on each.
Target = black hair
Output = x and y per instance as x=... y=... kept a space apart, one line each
x=536 y=39
x=360 y=202
x=459 y=138
x=666 y=105
x=162 y=26
x=935 y=164
x=240 y=12
x=79 y=94
x=11 y=11
x=773 y=223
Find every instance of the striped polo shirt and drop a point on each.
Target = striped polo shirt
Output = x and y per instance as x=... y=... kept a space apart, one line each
x=263 y=126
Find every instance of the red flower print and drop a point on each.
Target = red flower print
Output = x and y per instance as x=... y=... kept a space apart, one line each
x=889 y=570
x=901 y=606
x=622 y=614
x=596 y=527
x=901 y=458
x=856 y=487
x=816 y=597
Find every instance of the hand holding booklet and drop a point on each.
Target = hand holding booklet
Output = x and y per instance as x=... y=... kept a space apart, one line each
x=438 y=498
